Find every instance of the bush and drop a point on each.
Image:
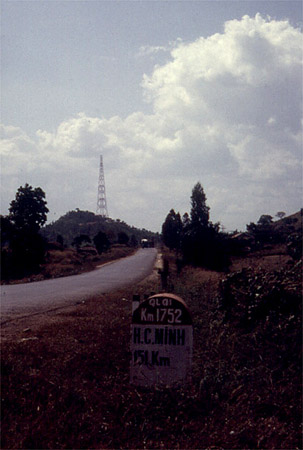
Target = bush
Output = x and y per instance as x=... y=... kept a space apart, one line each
x=24 y=256
x=101 y=242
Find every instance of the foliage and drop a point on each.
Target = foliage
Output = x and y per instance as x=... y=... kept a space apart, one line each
x=22 y=252
x=133 y=241
x=28 y=210
x=280 y=214
x=101 y=242
x=199 y=241
x=28 y=252
x=294 y=246
x=75 y=223
x=22 y=247
x=206 y=247
x=199 y=213
x=7 y=231
x=185 y=220
x=263 y=231
x=172 y=230
x=265 y=220
x=123 y=238
x=79 y=240
x=245 y=390
x=60 y=239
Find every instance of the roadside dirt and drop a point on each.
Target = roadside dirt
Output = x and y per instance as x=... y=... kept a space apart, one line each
x=65 y=374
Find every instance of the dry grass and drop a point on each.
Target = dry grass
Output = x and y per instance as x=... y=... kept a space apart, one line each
x=66 y=376
x=70 y=262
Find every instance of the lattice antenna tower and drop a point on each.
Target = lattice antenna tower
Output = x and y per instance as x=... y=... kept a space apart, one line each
x=101 y=201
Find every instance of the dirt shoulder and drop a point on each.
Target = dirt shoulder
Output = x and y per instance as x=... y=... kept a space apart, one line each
x=65 y=374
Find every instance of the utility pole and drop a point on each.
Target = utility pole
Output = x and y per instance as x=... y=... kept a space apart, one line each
x=101 y=201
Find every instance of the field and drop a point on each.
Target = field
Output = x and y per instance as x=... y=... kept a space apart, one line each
x=65 y=374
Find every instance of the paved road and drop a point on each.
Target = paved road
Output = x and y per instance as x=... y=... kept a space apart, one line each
x=23 y=299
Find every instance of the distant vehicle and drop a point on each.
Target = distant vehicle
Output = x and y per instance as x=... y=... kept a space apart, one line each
x=146 y=243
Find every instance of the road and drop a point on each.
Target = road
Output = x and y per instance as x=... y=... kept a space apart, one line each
x=29 y=298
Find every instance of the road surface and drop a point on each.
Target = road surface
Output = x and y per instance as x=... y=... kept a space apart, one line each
x=29 y=298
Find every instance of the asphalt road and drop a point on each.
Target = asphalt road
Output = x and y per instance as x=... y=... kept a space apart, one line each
x=29 y=298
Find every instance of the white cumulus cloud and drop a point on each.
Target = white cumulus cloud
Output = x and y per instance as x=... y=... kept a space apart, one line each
x=226 y=110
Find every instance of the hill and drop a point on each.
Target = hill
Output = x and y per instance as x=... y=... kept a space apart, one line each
x=75 y=223
x=266 y=233
x=290 y=224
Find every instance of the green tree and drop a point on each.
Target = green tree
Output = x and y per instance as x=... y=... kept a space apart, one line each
x=202 y=244
x=185 y=220
x=123 y=238
x=24 y=247
x=172 y=230
x=133 y=241
x=101 y=242
x=79 y=240
x=265 y=220
x=28 y=211
x=262 y=231
x=199 y=213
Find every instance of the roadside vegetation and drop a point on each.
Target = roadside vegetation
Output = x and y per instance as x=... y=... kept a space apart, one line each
x=65 y=373
x=78 y=241
x=198 y=242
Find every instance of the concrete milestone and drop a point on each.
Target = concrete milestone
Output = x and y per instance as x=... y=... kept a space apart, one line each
x=161 y=342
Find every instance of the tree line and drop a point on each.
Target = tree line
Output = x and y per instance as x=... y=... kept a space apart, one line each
x=78 y=222
x=195 y=238
x=199 y=242
x=25 y=240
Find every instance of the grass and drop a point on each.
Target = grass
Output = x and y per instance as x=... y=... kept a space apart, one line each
x=65 y=375
x=70 y=262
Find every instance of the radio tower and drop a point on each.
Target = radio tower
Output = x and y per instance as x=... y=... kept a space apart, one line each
x=101 y=201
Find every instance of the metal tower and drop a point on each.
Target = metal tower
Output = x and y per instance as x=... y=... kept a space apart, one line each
x=101 y=201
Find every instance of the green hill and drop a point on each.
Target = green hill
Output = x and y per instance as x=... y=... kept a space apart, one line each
x=75 y=223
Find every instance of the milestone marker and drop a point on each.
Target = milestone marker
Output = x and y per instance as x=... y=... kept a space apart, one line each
x=161 y=342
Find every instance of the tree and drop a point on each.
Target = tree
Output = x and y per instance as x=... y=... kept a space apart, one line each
x=202 y=242
x=28 y=252
x=79 y=240
x=24 y=247
x=172 y=230
x=263 y=231
x=133 y=241
x=265 y=220
x=199 y=213
x=185 y=220
x=123 y=238
x=195 y=238
x=28 y=210
x=101 y=242
x=280 y=214
x=60 y=239
x=7 y=231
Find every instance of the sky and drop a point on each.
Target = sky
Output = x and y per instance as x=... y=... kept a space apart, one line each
x=169 y=92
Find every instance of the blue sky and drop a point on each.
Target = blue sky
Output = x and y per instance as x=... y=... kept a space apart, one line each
x=149 y=85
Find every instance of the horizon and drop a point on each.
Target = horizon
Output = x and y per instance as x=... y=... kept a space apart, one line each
x=275 y=219
x=170 y=93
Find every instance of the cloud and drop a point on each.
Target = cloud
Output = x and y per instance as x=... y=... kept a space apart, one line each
x=226 y=110
x=150 y=50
